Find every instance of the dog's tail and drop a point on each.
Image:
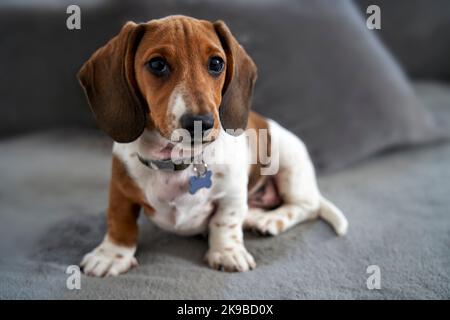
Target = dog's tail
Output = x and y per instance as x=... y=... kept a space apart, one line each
x=331 y=214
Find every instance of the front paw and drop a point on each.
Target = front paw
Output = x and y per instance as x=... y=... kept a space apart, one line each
x=108 y=259
x=230 y=259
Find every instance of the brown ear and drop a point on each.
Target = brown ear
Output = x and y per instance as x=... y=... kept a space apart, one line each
x=239 y=81
x=110 y=86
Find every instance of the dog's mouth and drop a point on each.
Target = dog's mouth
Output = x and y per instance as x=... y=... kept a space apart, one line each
x=155 y=147
x=165 y=153
x=179 y=151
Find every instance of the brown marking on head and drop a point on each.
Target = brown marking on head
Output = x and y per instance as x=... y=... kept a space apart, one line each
x=186 y=45
x=127 y=97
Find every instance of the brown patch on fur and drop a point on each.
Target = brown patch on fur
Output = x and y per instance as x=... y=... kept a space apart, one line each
x=219 y=224
x=219 y=175
x=119 y=256
x=228 y=249
x=125 y=202
x=290 y=215
x=256 y=180
x=280 y=225
x=232 y=226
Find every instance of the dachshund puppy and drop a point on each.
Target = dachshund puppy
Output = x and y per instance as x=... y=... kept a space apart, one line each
x=178 y=73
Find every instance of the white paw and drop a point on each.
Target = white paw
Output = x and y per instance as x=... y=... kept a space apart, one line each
x=230 y=259
x=108 y=259
x=266 y=223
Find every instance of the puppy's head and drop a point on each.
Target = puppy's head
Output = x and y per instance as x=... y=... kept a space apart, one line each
x=167 y=74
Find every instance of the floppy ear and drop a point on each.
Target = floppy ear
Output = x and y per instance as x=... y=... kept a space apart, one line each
x=109 y=83
x=239 y=81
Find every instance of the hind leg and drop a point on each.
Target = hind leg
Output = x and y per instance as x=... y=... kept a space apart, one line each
x=297 y=206
x=296 y=184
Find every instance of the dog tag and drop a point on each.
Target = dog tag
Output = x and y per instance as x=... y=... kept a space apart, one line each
x=201 y=180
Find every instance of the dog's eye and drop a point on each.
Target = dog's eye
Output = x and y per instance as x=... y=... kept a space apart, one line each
x=215 y=65
x=158 y=66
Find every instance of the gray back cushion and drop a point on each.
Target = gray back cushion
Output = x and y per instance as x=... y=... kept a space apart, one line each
x=418 y=33
x=322 y=74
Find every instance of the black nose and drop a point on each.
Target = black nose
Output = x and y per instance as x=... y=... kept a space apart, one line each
x=204 y=122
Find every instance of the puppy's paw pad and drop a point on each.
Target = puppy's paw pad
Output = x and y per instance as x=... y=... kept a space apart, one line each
x=230 y=259
x=108 y=260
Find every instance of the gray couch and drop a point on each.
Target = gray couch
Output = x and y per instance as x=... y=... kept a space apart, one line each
x=391 y=182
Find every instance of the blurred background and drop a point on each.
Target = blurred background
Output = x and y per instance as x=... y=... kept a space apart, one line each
x=373 y=107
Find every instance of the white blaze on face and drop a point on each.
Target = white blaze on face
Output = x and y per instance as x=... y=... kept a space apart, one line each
x=177 y=106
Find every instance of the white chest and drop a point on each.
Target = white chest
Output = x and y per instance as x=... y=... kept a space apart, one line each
x=176 y=210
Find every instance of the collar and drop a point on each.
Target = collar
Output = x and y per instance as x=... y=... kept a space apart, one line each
x=165 y=165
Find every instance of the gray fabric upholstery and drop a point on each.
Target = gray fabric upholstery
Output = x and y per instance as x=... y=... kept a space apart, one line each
x=38 y=87
x=322 y=74
x=54 y=191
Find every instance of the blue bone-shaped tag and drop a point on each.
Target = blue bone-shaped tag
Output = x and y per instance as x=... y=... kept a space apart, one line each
x=203 y=181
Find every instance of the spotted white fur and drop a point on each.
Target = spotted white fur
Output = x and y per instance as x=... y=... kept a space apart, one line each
x=109 y=259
